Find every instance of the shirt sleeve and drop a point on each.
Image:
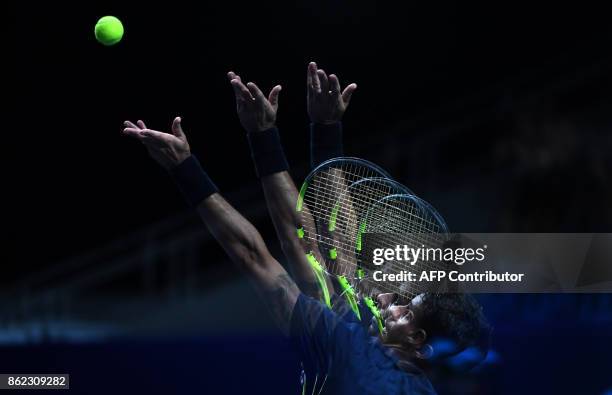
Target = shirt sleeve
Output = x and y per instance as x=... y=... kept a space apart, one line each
x=329 y=344
x=341 y=307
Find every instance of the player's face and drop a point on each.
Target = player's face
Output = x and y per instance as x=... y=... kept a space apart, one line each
x=400 y=321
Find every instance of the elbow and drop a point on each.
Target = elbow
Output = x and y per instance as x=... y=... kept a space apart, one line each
x=251 y=254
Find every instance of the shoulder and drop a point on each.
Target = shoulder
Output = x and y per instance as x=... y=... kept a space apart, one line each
x=379 y=369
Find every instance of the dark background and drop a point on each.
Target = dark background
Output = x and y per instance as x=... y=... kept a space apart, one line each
x=496 y=113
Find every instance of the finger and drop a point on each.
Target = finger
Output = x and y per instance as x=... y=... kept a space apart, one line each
x=256 y=92
x=141 y=124
x=315 y=84
x=233 y=76
x=237 y=89
x=334 y=85
x=154 y=135
x=129 y=124
x=177 y=130
x=311 y=71
x=241 y=91
x=133 y=132
x=324 y=82
x=348 y=93
x=273 y=96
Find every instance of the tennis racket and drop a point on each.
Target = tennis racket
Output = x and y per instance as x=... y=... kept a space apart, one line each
x=400 y=220
x=325 y=204
x=341 y=201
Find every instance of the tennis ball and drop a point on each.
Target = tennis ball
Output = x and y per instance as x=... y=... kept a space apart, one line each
x=109 y=30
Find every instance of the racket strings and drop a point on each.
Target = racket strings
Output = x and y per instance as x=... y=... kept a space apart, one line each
x=397 y=229
x=325 y=203
x=424 y=225
x=330 y=192
x=338 y=202
x=346 y=222
x=348 y=266
x=322 y=208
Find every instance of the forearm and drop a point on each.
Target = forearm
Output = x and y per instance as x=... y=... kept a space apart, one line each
x=281 y=196
x=245 y=247
x=234 y=233
x=237 y=236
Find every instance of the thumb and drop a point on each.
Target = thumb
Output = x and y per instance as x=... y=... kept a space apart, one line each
x=348 y=92
x=177 y=130
x=273 y=96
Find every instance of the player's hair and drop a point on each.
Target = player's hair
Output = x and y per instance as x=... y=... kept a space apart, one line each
x=454 y=317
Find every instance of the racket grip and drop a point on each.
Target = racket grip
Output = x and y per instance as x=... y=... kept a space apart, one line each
x=325 y=142
x=193 y=181
x=267 y=152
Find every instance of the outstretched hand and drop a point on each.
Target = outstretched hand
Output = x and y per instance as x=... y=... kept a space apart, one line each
x=167 y=149
x=255 y=111
x=326 y=102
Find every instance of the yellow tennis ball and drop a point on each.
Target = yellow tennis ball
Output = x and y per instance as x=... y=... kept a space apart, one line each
x=109 y=30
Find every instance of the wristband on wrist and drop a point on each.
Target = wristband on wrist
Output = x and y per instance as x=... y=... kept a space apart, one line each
x=267 y=152
x=325 y=142
x=193 y=181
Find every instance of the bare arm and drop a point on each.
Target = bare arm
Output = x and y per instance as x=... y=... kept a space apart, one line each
x=238 y=237
x=326 y=105
x=257 y=114
x=245 y=247
x=281 y=195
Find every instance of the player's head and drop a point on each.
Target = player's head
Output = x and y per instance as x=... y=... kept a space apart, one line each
x=432 y=327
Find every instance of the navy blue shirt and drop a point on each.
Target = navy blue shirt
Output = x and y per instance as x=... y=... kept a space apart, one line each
x=340 y=357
